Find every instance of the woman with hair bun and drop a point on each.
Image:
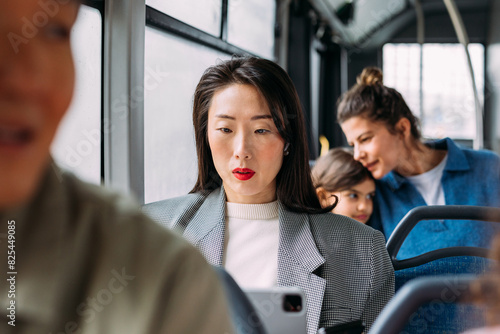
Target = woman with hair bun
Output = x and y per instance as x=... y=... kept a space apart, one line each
x=409 y=172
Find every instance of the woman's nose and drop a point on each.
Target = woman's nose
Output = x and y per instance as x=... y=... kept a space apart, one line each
x=358 y=153
x=242 y=147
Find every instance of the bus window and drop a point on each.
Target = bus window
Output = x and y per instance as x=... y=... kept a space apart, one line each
x=447 y=99
x=251 y=25
x=77 y=146
x=173 y=67
x=202 y=14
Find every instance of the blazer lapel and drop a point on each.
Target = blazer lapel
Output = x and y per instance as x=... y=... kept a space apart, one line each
x=207 y=227
x=298 y=258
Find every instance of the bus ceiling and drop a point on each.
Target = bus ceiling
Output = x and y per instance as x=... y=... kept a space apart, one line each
x=364 y=24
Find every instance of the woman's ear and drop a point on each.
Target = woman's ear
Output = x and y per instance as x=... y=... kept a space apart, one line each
x=403 y=127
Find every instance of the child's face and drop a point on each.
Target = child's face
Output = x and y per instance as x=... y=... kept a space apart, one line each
x=356 y=202
x=36 y=86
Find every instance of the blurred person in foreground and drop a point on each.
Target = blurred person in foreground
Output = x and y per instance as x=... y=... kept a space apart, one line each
x=75 y=257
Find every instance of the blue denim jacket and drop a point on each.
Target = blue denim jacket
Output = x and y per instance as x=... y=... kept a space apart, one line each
x=469 y=178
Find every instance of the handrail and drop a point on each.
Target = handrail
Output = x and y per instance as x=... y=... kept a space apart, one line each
x=333 y=21
x=459 y=212
x=463 y=38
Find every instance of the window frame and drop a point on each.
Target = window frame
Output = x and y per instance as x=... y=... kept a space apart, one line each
x=122 y=76
x=169 y=24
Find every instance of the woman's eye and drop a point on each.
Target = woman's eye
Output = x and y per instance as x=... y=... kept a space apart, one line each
x=365 y=139
x=261 y=131
x=370 y=196
x=353 y=195
x=57 y=32
x=224 y=130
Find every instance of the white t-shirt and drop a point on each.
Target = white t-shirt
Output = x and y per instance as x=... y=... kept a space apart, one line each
x=429 y=184
x=251 y=244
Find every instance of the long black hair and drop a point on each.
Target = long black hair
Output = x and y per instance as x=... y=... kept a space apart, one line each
x=294 y=187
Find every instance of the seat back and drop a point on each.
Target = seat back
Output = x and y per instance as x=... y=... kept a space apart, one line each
x=451 y=265
x=452 y=260
x=457 y=212
x=439 y=293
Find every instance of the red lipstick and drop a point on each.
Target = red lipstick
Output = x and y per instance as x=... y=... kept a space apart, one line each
x=243 y=174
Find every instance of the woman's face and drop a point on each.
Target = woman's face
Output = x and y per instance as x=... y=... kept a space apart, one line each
x=36 y=86
x=246 y=146
x=356 y=202
x=374 y=146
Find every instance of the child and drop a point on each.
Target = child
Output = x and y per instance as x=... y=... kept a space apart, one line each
x=339 y=178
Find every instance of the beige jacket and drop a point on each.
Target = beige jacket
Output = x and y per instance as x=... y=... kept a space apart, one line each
x=88 y=261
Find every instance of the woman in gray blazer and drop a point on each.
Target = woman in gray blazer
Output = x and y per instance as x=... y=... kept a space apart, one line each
x=254 y=209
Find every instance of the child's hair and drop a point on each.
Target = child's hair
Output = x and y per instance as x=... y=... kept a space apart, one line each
x=337 y=170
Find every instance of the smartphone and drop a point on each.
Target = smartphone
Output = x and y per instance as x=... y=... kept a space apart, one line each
x=353 y=327
x=282 y=310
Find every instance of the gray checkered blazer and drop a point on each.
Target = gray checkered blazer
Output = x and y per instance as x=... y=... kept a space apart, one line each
x=341 y=264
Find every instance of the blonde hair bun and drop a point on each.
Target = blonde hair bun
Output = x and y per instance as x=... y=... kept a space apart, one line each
x=370 y=76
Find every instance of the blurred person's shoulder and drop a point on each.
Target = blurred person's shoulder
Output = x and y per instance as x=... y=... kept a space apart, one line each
x=115 y=218
x=108 y=238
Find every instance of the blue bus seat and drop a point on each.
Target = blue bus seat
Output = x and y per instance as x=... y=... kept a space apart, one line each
x=438 y=293
x=432 y=212
x=451 y=260
x=451 y=265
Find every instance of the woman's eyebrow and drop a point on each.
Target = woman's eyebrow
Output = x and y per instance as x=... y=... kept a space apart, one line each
x=257 y=117
x=224 y=116
x=358 y=138
x=363 y=134
x=254 y=118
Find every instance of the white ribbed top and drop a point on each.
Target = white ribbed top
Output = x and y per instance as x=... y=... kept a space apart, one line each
x=429 y=184
x=251 y=244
